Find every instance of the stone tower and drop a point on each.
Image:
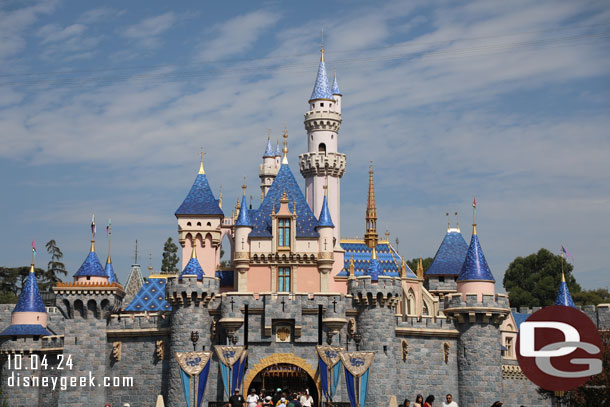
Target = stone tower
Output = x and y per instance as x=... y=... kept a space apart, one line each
x=375 y=297
x=323 y=164
x=269 y=168
x=199 y=224
x=325 y=229
x=86 y=305
x=477 y=312
x=243 y=227
x=189 y=294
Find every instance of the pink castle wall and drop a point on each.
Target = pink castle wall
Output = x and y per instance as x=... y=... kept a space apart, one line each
x=308 y=279
x=259 y=279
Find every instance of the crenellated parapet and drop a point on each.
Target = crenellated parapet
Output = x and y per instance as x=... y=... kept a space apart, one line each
x=386 y=292
x=188 y=290
x=322 y=164
x=476 y=307
x=88 y=299
x=322 y=120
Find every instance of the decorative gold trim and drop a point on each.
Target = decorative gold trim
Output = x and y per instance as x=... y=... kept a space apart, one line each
x=277 y=358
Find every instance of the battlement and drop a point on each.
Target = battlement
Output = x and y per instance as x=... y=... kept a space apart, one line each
x=322 y=120
x=425 y=322
x=365 y=292
x=469 y=300
x=322 y=163
x=188 y=289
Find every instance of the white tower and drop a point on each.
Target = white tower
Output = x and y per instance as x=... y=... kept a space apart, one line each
x=269 y=168
x=323 y=162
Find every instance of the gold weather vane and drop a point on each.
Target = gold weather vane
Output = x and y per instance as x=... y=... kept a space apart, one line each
x=322 y=47
x=285 y=149
x=244 y=187
x=474 y=211
x=220 y=197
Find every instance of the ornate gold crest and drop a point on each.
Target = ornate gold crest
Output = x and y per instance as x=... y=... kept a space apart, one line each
x=283 y=333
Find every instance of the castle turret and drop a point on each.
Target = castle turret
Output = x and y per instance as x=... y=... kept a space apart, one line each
x=478 y=313
x=86 y=305
x=336 y=92
x=375 y=297
x=563 y=296
x=243 y=227
x=189 y=295
x=199 y=223
x=269 y=168
x=108 y=269
x=323 y=164
x=325 y=229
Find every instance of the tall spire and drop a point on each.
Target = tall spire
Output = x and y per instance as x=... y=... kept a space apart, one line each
x=92 y=233
x=243 y=219
x=335 y=88
x=269 y=149
x=109 y=234
x=474 y=212
x=285 y=149
x=321 y=89
x=370 y=236
x=563 y=296
x=109 y=269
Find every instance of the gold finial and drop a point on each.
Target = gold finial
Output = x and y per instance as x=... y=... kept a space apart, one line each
x=237 y=204
x=474 y=211
x=420 y=269
x=273 y=208
x=284 y=197
x=194 y=252
x=294 y=208
x=109 y=233
x=285 y=149
x=201 y=170
x=563 y=276
x=352 y=268
x=244 y=187
x=387 y=233
x=93 y=233
x=322 y=48
x=403 y=268
x=374 y=254
x=33 y=253
x=220 y=197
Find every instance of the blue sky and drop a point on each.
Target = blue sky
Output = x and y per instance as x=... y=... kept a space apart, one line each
x=104 y=108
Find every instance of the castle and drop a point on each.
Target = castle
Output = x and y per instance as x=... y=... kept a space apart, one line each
x=294 y=283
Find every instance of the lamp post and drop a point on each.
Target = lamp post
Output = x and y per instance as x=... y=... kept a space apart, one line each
x=194 y=339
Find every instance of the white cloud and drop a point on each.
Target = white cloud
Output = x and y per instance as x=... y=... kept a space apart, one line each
x=147 y=31
x=237 y=34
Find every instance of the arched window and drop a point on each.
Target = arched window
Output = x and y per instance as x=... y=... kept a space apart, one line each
x=188 y=223
x=198 y=223
x=322 y=148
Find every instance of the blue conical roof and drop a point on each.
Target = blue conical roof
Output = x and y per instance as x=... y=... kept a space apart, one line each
x=193 y=268
x=335 y=90
x=91 y=267
x=200 y=199
x=269 y=150
x=243 y=219
x=30 y=299
x=475 y=266
x=151 y=297
x=321 y=90
x=563 y=296
x=109 y=270
x=325 y=220
x=278 y=150
x=450 y=255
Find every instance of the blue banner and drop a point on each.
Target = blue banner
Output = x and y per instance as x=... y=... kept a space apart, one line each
x=329 y=362
x=194 y=372
x=357 y=370
x=233 y=362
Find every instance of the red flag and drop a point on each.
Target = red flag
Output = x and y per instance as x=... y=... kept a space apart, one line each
x=474 y=202
x=34 y=247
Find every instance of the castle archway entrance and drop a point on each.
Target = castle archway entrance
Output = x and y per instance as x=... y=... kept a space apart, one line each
x=283 y=371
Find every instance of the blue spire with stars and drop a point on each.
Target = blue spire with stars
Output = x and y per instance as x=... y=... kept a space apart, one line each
x=325 y=219
x=321 y=89
x=374 y=267
x=30 y=299
x=475 y=266
x=269 y=150
x=563 y=296
x=335 y=90
x=109 y=270
x=193 y=268
x=243 y=219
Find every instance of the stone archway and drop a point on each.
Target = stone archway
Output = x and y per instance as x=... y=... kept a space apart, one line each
x=278 y=358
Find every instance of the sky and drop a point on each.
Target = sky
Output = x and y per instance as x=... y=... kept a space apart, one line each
x=104 y=109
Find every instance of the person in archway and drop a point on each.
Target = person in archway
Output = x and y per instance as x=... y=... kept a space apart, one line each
x=237 y=400
x=306 y=399
x=252 y=398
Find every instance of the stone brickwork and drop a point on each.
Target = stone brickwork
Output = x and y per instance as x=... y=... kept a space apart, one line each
x=517 y=390
x=434 y=283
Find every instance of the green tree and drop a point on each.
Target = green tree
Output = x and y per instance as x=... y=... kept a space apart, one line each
x=426 y=262
x=13 y=278
x=533 y=281
x=592 y=297
x=55 y=265
x=170 y=257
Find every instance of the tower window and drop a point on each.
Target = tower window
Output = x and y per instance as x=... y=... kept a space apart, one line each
x=198 y=223
x=441 y=279
x=283 y=233
x=188 y=223
x=322 y=148
x=283 y=279
x=331 y=105
x=321 y=104
x=209 y=224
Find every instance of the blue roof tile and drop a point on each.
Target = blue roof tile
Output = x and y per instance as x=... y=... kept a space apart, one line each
x=321 y=90
x=278 y=150
x=243 y=219
x=151 y=297
x=25 y=330
x=30 y=299
x=91 y=267
x=389 y=260
x=269 y=150
x=563 y=296
x=450 y=255
x=335 y=90
x=475 y=266
x=325 y=220
x=200 y=200
x=193 y=268
x=261 y=217
x=109 y=270
x=520 y=318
